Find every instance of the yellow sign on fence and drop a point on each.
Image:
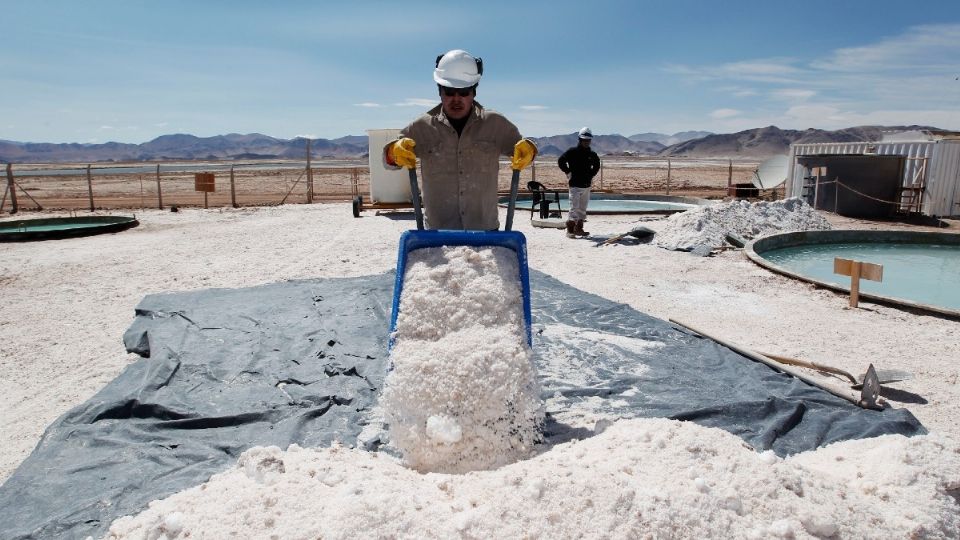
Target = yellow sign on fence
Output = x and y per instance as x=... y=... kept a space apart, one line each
x=205 y=182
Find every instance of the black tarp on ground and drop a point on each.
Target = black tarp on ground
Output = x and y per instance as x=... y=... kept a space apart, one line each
x=302 y=362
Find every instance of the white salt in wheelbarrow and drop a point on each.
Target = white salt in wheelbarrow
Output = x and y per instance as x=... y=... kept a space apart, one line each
x=421 y=238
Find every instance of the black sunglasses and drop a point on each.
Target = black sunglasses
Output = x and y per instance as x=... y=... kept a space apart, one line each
x=462 y=92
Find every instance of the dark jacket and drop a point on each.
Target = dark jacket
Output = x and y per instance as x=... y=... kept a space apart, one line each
x=581 y=164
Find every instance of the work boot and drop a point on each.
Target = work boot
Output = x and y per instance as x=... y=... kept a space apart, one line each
x=570 y=228
x=578 y=229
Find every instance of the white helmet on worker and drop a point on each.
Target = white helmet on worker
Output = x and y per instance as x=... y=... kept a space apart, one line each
x=458 y=69
x=585 y=133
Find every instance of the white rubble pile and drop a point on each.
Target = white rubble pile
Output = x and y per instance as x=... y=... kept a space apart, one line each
x=463 y=392
x=708 y=226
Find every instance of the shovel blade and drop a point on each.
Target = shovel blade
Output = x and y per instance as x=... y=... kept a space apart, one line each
x=885 y=376
x=871 y=388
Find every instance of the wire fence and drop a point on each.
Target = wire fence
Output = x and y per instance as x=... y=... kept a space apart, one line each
x=110 y=188
x=155 y=185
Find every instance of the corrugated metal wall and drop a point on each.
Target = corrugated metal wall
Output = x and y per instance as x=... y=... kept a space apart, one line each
x=942 y=189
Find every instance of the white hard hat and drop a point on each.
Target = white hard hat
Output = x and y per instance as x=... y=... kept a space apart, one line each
x=585 y=133
x=458 y=69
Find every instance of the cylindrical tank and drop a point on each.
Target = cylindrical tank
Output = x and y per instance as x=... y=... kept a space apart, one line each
x=386 y=185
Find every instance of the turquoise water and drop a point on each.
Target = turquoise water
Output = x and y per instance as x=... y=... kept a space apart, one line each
x=925 y=273
x=614 y=205
x=51 y=227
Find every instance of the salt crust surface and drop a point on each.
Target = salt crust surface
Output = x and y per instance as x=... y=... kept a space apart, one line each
x=641 y=478
x=706 y=227
x=462 y=393
x=66 y=303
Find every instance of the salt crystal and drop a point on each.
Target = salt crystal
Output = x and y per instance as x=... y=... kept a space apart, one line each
x=701 y=485
x=443 y=429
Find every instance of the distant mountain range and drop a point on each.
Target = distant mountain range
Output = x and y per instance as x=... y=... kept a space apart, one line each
x=751 y=143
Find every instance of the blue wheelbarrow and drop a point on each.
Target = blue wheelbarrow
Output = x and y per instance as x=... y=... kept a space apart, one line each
x=417 y=239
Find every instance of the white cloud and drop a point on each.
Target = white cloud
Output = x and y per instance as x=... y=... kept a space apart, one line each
x=793 y=94
x=724 y=113
x=161 y=124
x=769 y=70
x=928 y=47
x=367 y=104
x=533 y=107
x=901 y=79
x=416 y=102
x=759 y=68
x=105 y=128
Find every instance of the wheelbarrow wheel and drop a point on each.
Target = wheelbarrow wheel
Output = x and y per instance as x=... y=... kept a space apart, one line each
x=357 y=204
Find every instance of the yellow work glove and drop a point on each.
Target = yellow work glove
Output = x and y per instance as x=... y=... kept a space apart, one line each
x=400 y=152
x=523 y=153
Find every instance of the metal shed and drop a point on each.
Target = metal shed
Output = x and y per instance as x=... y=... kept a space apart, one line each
x=930 y=182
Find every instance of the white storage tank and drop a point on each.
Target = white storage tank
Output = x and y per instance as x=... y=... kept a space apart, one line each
x=386 y=185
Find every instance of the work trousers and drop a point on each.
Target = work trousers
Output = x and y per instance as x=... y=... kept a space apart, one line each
x=579 y=199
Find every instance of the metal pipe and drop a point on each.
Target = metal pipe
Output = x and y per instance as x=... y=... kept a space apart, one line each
x=514 y=186
x=415 y=194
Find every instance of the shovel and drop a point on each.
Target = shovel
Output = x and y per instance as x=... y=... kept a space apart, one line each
x=884 y=376
x=639 y=232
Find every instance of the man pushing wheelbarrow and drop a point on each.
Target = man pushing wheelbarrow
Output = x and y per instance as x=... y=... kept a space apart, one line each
x=459 y=143
x=461 y=391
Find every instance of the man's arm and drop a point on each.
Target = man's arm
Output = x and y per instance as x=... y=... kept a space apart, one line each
x=564 y=163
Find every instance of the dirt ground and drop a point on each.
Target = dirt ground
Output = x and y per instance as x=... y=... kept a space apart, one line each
x=341 y=181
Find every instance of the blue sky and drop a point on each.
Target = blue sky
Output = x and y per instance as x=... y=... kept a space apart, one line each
x=129 y=71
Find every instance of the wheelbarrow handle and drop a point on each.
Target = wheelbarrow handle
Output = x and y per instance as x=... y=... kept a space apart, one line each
x=415 y=193
x=418 y=212
x=514 y=186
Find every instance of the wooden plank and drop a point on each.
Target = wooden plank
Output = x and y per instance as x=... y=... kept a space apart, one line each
x=233 y=189
x=857 y=270
x=12 y=189
x=871 y=271
x=90 y=187
x=159 y=190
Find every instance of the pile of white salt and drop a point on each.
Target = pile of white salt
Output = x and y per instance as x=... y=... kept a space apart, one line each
x=642 y=478
x=463 y=392
x=707 y=227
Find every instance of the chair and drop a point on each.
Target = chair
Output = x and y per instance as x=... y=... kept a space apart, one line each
x=543 y=197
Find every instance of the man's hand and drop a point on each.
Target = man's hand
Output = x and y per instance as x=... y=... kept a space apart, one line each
x=523 y=153
x=400 y=152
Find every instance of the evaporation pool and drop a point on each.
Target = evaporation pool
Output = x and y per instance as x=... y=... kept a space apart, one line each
x=612 y=203
x=23 y=230
x=920 y=269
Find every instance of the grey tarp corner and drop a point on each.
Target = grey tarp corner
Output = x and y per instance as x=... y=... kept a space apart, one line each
x=302 y=362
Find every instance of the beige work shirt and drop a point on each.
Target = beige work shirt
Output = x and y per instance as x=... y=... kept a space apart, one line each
x=459 y=174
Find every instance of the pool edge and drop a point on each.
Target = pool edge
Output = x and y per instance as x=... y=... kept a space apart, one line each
x=848 y=235
x=108 y=224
